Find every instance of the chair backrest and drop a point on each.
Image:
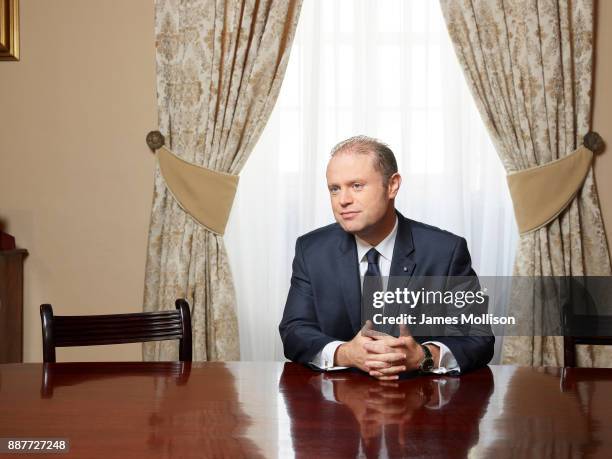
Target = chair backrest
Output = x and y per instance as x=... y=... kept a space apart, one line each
x=63 y=331
x=587 y=314
x=570 y=343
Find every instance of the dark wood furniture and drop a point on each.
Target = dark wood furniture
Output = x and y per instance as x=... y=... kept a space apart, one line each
x=271 y=409
x=570 y=343
x=587 y=315
x=55 y=376
x=62 y=331
x=11 y=305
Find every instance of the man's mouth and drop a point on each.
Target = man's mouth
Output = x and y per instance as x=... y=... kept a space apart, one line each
x=349 y=215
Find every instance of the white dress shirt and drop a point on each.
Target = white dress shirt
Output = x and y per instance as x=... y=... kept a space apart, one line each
x=325 y=358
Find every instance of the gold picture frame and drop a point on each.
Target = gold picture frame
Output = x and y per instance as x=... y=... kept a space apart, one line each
x=9 y=30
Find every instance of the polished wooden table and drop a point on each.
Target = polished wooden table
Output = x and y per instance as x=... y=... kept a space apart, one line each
x=271 y=409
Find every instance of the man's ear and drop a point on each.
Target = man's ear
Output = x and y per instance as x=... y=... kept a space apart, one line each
x=394 y=184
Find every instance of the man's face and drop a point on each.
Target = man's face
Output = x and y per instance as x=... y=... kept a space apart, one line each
x=359 y=198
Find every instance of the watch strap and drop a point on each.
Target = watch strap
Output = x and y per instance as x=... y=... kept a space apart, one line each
x=427 y=364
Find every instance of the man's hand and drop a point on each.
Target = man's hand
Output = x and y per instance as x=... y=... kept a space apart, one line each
x=354 y=353
x=388 y=356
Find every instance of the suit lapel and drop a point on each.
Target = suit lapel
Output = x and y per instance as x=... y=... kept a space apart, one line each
x=350 y=280
x=402 y=263
x=402 y=266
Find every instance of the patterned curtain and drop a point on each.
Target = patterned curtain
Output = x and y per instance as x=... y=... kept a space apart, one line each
x=529 y=66
x=220 y=65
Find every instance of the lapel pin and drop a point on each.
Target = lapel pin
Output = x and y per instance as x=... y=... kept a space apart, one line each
x=405 y=268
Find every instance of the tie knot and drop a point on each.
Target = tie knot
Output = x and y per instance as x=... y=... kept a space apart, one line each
x=372 y=256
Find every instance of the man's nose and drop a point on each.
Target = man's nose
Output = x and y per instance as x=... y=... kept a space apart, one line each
x=346 y=197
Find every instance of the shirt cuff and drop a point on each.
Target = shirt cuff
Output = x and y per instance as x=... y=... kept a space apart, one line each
x=447 y=362
x=325 y=359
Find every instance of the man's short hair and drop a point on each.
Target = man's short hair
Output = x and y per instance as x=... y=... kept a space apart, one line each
x=384 y=162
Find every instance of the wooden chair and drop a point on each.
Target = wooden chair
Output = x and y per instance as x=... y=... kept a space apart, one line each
x=587 y=316
x=63 y=331
x=570 y=343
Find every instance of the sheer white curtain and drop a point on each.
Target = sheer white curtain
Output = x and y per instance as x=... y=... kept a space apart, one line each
x=383 y=68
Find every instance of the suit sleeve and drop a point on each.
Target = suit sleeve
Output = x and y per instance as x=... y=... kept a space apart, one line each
x=470 y=351
x=299 y=328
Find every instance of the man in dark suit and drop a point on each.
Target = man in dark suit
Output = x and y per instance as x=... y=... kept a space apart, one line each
x=321 y=321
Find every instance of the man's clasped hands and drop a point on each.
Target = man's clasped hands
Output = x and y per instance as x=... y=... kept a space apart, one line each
x=381 y=355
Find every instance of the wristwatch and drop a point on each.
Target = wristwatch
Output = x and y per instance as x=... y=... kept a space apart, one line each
x=427 y=364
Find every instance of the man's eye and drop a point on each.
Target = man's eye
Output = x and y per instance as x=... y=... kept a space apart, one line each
x=334 y=190
x=358 y=186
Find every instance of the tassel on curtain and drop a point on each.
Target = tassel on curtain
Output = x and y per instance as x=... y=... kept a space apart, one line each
x=220 y=65
x=529 y=66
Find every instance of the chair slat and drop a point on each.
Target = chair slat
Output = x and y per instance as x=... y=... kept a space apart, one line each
x=115 y=340
x=111 y=325
x=131 y=315
x=89 y=335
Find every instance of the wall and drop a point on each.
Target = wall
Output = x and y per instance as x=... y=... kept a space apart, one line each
x=76 y=176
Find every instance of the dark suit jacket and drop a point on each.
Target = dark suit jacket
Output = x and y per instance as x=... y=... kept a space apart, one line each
x=324 y=301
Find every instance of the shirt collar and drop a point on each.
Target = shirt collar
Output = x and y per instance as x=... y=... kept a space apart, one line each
x=384 y=247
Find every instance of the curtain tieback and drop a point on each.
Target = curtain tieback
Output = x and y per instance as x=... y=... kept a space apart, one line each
x=204 y=194
x=539 y=194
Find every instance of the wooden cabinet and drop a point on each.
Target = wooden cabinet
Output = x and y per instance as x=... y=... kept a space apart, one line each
x=11 y=305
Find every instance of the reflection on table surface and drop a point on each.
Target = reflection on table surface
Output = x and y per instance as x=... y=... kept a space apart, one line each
x=372 y=418
x=271 y=409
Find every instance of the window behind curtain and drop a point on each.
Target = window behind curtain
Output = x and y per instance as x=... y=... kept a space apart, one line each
x=386 y=69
